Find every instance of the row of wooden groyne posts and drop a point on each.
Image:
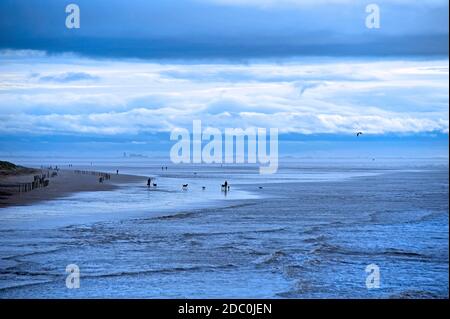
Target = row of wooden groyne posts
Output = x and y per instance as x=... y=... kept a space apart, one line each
x=43 y=180
x=39 y=181
x=101 y=176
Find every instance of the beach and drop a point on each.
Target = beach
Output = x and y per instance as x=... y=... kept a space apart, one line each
x=64 y=183
x=308 y=232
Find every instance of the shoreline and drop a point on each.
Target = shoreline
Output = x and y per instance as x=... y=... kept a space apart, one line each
x=66 y=182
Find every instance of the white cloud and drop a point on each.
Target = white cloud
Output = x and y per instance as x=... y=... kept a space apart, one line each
x=307 y=96
x=7 y=53
x=68 y=77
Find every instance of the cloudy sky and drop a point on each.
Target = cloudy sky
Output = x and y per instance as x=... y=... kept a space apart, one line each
x=136 y=70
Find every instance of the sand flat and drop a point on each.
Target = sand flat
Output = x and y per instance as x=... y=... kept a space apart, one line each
x=65 y=183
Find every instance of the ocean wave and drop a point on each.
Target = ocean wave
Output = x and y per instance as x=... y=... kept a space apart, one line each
x=40 y=252
x=316 y=239
x=257 y=231
x=273 y=258
x=25 y=285
x=326 y=248
x=399 y=252
x=6 y=272
x=417 y=294
x=181 y=215
x=161 y=271
x=108 y=275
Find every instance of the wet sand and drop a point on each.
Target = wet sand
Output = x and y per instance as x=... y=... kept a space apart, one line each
x=65 y=183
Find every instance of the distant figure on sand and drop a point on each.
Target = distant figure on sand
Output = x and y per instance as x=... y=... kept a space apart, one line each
x=117 y=172
x=225 y=186
x=149 y=182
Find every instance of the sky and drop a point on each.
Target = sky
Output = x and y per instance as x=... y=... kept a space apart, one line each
x=136 y=70
x=227 y=28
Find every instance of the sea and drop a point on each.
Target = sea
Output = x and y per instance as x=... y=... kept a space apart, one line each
x=318 y=228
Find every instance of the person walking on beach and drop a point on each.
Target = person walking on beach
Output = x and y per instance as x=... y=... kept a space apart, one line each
x=149 y=182
x=225 y=186
x=117 y=172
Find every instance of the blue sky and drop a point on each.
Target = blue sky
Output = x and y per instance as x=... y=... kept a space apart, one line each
x=227 y=28
x=137 y=69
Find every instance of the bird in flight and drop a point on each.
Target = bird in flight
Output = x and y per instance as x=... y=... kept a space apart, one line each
x=359 y=133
